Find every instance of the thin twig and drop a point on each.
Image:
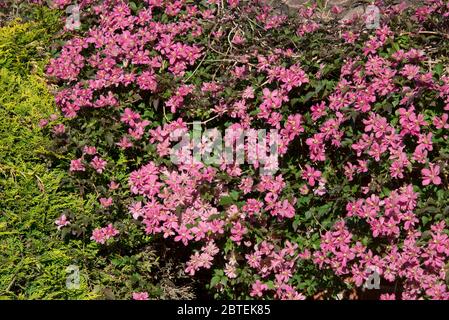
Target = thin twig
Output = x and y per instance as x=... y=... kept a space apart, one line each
x=197 y=67
x=426 y=32
x=204 y=122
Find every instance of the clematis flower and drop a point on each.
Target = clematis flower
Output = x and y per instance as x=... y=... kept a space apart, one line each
x=77 y=165
x=258 y=289
x=430 y=175
x=140 y=295
x=98 y=164
x=106 y=202
x=311 y=175
x=101 y=235
x=89 y=150
x=62 y=221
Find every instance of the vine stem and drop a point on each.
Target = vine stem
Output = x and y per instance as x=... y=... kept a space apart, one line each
x=206 y=121
x=426 y=32
x=197 y=67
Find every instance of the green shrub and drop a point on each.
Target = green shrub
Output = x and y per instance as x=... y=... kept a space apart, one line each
x=24 y=46
x=33 y=258
x=34 y=192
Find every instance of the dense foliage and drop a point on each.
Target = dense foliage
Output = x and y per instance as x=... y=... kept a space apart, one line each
x=360 y=181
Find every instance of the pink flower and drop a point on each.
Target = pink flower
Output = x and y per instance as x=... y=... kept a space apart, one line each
x=237 y=232
x=233 y=3
x=98 y=164
x=230 y=271
x=258 y=288
x=140 y=295
x=62 y=221
x=147 y=81
x=318 y=110
x=430 y=175
x=184 y=235
x=136 y=210
x=336 y=9
x=210 y=87
x=130 y=117
x=145 y=180
x=59 y=129
x=410 y=71
x=388 y=296
x=43 y=123
x=106 y=202
x=311 y=175
x=238 y=39
x=239 y=72
x=246 y=184
x=114 y=185
x=77 y=165
x=248 y=93
x=284 y=209
x=441 y=123
x=100 y=235
x=124 y=143
x=89 y=150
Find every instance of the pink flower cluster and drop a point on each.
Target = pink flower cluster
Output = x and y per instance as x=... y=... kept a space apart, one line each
x=120 y=45
x=140 y=295
x=62 y=221
x=418 y=266
x=97 y=163
x=101 y=235
x=268 y=260
x=362 y=85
